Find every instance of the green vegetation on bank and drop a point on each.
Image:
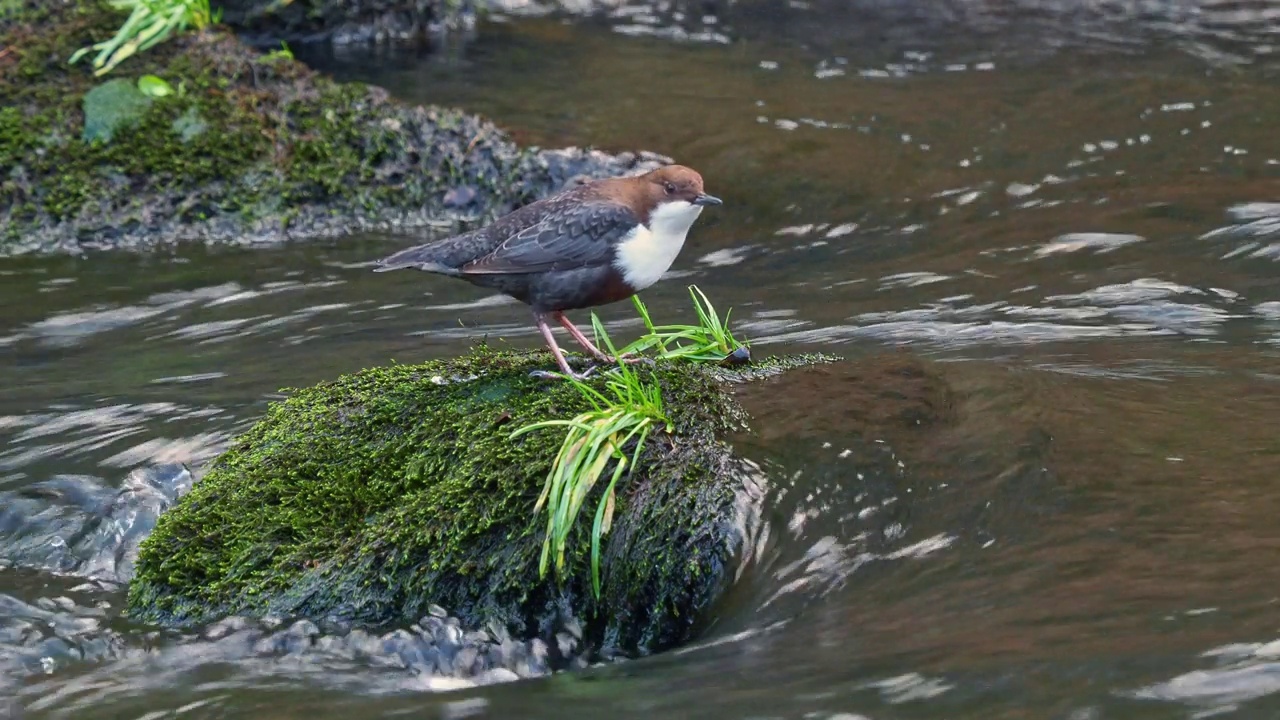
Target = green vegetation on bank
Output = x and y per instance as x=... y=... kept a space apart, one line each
x=249 y=147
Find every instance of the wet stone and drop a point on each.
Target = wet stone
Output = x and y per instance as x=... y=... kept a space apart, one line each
x=54 y=647
x=464 y=664
x=499 y=675
x=297 y=638
x=451 y=635
x=270 y=645
x=432 y=626
x=536 y=662
x=405 y=647
x=428 y=660
x=304 y=629
x=332 y=644
x=224 y=628
x=573 y=627
x=444 y=660
x=566 y=643
x=501 y=655
x=99 y=647
x=498 y=631
x=360 y=643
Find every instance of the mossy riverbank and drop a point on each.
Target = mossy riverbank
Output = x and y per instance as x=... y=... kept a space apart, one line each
x=250 y=148
x=370 y=498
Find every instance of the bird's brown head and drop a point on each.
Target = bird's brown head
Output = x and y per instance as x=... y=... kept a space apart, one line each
x=676 y=182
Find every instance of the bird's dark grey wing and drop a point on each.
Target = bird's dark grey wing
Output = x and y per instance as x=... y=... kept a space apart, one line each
x=574 y=235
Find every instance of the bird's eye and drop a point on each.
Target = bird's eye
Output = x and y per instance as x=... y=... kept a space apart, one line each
x=670 y=188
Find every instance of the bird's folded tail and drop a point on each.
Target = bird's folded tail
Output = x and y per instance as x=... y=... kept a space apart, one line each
x=418 y=258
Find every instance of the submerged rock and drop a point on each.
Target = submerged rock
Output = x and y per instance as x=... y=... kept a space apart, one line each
x=248 y=148
x=74 y=525
x=385 y=494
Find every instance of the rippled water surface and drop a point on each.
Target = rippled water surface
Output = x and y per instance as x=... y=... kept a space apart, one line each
x=1083 y=242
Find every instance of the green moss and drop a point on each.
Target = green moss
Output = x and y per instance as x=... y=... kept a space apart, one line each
x=279 y=142
x=370 y=497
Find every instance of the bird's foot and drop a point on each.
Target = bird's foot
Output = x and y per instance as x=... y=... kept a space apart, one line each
x=552 y=375
x=628 y=358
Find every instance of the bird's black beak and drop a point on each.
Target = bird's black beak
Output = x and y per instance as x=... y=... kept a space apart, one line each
x=705 y=199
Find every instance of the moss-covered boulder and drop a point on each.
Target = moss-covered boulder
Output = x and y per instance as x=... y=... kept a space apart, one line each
x=373 y=497
x=250 y=147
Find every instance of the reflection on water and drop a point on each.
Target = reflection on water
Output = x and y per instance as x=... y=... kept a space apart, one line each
x=1067 y=511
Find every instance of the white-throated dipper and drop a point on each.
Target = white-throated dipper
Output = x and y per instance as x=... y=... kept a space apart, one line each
x=597 y=243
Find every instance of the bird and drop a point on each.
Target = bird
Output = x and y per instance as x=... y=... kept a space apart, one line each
x=593 y=244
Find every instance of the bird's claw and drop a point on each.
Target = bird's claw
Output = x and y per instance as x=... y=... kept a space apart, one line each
x=552 y=375
x=628 y=359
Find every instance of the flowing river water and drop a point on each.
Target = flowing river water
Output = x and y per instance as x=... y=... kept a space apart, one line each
x=1082 y=239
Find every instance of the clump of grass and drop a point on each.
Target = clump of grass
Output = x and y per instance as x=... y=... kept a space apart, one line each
x=628 y=409
x=150 y=23
x=283 y=53
x=710 y=340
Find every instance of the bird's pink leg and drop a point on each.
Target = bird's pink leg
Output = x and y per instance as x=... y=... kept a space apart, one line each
x=545 y=329
x=582 y=339
x=591 y=348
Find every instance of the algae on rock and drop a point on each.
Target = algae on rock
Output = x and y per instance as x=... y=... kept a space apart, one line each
x=282 y=151
x=371 y=497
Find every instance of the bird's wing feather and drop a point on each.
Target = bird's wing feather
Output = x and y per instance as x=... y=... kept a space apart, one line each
x=566 y=238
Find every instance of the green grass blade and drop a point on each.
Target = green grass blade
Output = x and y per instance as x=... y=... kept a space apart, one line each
x=79 y=54
x=566 y=449
x=597 y=527
x=124 y=33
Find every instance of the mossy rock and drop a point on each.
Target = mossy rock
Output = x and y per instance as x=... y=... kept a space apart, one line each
x=251 y=148
x=346 y=21
x=372 y=497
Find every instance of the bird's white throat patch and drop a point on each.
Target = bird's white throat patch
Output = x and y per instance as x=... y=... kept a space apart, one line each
x=646 y=253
